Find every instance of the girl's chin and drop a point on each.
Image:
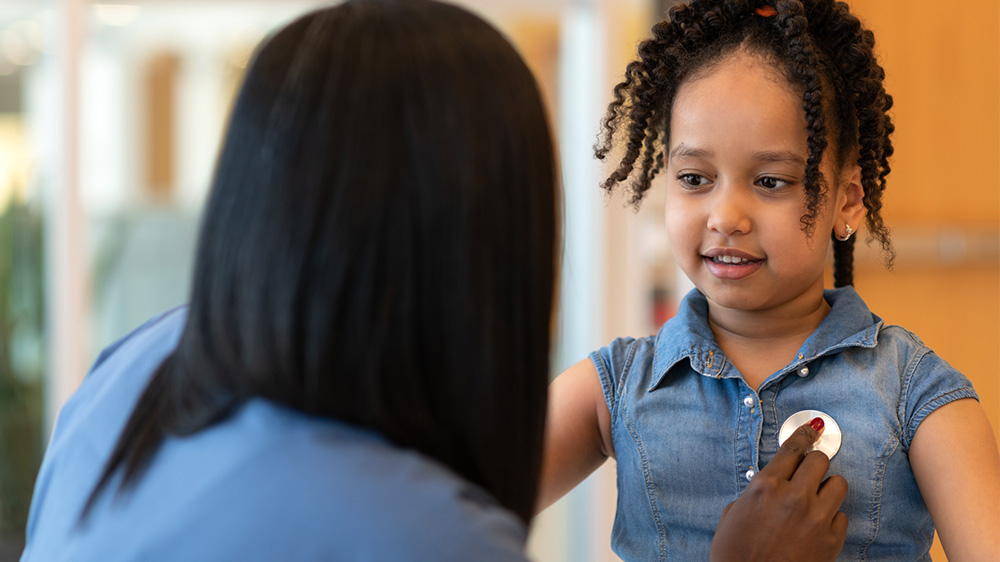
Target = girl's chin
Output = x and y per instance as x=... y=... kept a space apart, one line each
x=754 y=297
x=742 y=302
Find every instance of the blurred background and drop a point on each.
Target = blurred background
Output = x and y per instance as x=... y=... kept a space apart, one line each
x=110 y=118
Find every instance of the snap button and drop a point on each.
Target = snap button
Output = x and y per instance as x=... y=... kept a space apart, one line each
x=748 y=401
x=828 y=443
x=804 y=372
x=750 y=474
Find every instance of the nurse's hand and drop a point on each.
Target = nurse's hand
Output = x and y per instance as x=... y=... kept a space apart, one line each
x=788 y=512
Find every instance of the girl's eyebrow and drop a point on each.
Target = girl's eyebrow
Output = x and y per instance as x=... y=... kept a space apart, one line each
x=787 y=157
x=777 y=156
x=690 y=152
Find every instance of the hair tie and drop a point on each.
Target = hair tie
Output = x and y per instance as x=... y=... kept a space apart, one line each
x=766 y=11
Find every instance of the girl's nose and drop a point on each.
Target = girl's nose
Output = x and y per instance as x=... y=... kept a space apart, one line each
x=729 y=211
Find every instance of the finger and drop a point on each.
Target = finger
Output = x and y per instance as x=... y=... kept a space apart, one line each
x=725 y=510
x=788 y=457
x=840 y=526
x=832 y=492
x=812 y=470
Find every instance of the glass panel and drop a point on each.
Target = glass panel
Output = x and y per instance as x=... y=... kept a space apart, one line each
x=157 y=80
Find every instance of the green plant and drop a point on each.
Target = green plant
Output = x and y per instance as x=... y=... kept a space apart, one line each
x=22 y=360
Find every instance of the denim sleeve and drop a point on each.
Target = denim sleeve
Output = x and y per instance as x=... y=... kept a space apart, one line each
x=612 y=364
x=930 y=383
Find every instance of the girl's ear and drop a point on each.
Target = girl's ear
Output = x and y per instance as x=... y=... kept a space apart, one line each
x=850 y=209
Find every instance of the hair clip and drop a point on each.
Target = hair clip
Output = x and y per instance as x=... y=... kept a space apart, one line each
x=766 y=11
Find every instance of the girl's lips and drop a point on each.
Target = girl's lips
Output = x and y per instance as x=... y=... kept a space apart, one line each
x=716 y=253
x=731 y=264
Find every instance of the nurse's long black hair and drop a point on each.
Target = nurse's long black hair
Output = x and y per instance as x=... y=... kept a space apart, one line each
x=822 y=49
x=378 y=248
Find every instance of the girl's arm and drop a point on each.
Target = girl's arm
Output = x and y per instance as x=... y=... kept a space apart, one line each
x=956 y=464
x=577 y=432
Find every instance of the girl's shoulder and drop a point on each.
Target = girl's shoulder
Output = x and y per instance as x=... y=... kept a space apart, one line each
x=896 y=336
x=926 y=381
x=896 y=349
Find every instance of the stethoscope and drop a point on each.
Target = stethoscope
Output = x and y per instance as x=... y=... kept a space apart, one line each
x=828 y=443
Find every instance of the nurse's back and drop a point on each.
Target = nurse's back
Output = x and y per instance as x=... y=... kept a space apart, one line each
x=269 y=483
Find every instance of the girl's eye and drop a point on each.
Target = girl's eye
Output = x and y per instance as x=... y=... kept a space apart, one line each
x=771 y=183
x=692 y=181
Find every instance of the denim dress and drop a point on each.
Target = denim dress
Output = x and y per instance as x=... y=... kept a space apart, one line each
x=689 y=433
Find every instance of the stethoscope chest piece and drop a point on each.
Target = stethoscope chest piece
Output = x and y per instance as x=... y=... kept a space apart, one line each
x=828 y=443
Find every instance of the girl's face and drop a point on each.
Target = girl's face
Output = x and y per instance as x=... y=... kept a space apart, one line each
x=735 y=194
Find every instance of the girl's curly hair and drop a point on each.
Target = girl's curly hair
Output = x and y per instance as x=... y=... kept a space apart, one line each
x=818 y=45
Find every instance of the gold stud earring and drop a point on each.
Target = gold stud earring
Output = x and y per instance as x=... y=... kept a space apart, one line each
x=847 y=236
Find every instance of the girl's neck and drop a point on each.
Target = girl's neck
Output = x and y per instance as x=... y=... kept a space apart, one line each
x=761 y=342
x=802 y=315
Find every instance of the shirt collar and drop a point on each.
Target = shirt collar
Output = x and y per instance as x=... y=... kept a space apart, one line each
x=688 y=335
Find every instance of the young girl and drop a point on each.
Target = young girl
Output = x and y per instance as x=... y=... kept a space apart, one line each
x=769 y=121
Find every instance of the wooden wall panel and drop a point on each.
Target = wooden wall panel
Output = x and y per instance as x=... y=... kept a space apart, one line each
x=160 y=87
x=942 y=62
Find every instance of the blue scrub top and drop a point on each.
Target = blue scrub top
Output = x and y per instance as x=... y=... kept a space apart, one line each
x=269 y=483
